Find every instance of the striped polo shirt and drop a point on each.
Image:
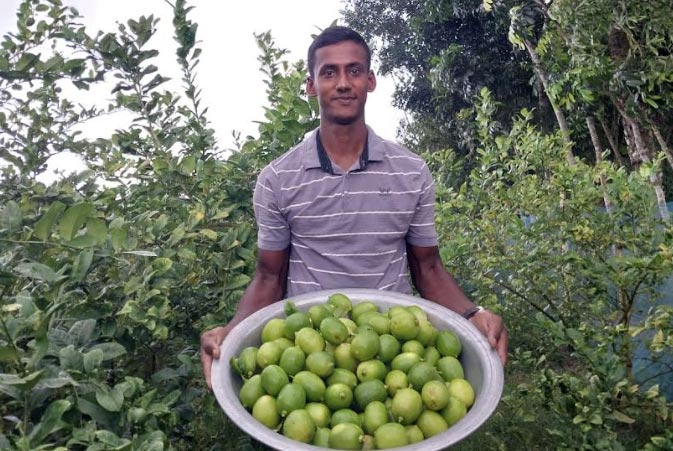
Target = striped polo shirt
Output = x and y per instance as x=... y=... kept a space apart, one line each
x=346 y=229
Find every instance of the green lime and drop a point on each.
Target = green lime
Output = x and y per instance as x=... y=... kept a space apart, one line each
x=389 y=347
x=371 y=369
x=362 y=307
x=268 y=354
x=291 y=397
x=462 y=389
x=312 y=384
x=350 y=325
x=274 y=379
x=450 y=368
x=404 y=325
x=413 y=346
x=435 y=395
x=345 y=415
x=431 y=423
x=365 y=345
x=346 y=436
x=396 y=379
x=418 y=312
x=296 y=322
x=414 y=434
x=338 y=396
x=448 y=344
x=320 y=363
x=251 y=391
x=265 y=411
x=431 y=355
x=420 y=374
x=247 y=361
x=299 y=426
x=380 y=323
x=317 y=313
x=284 y=343
x=320 y=413
x=405 y=361
x=274 y=328
x=407 y=405
x=333 y=330
x=365 y=317
x=368 y=443
x=390 y=435
x=343 y=357
x=375 y=415
x=321 y=437
x=366 y=392
x=363 y=327
x=342 y=304
x=454 y=411
x=309 y=340
x=427 y=333
x=394 y=310
x=292 y=360
x=343 y=376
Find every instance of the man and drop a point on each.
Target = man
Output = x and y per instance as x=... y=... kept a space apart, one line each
x=345 y=208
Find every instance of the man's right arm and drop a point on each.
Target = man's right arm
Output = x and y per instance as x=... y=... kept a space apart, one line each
x=268 y=286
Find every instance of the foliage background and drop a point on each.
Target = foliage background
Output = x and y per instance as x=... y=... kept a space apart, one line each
x=107 y=277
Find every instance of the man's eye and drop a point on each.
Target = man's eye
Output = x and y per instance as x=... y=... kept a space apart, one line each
x=356 y=71
x=328 y=72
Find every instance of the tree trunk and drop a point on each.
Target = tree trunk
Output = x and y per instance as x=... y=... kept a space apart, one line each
x=591 y=125
x=613 y=143
x=662 y=144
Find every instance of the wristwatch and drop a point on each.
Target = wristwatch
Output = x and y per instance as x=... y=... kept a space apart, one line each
x=469 y=313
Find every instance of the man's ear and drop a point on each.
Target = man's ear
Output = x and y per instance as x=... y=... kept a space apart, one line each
x=371 y=81
x=310 y=87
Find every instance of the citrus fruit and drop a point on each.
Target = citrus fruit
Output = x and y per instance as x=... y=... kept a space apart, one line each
x=309 y=340
x=343 y=357
x=346 y=436
x=362 y=307
x=427 y=333
x=375 y=415
x=380 y=323
x=371 y=369
x=268 y=354
x=418 y=312
x=343 y=376
x=365 y=345
x=435 y=395
x=407 y=405
x=403 y=325
x=420 y=374
x=317 y=313
x=431 y=423
x=338 y=396
x=312 y=384
x=413 y=346
x=251 y=391
x=396 y=379
x=274 y=328
x=454 y=411
x=320 y=363
x=291 y=397
x=366 y=392
x=450 y=368
x=284 y=343
x=341 y=303
x=321 y=437
x=296 y=322
x=274 y=379
x=345 y=415
x=448 y=344
x=389 y=347
x=299 y=426
x=350 y=325
x=414 y=434
x=333 y=330
x=405 y=361
x=431 y=355
x=390 y=435
x=368 y=442
x=247 y=361
x=462 y=389
x=266 y=412
x=292 y=360
x=319 y=412
x=392 y=311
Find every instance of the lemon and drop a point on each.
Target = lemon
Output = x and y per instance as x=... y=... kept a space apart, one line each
x=318 y=313
x=427 y=333
x=396 y=379
x=265 y=411
x=292 y=360
x=404 y=325
x=274 y=328
x=389 y=347
x=362 y=307
x=312 y=384
x=284 y=343
x=375 y=415
x=309 y=340
x=343 y=357
x=346 y=436
x=366 y=392
x=431 y=355
x=431 y=423
x=274 y=379
x=333 y=330
x=405 y=361
x=450 y=368
x=407 y=405
x=296 y=322
x=413 y=346
x=268 y=354
x=414 y=434
x=345 y=415
x=448 y=344
x=380 y=324
x=320 y=413
x=320 y=363
x=365 y=345
x=390 y=435
x=341 y=303
x=454 y=411
x=291 y=397
x=435 y=395
x=368 y=442
x=365 y=317
x=321 y=437
x=338 y=396
x=251 y=391
x=350 y=325
x=420 y=374
x=392 y=311
x=247 y=361
x=343 y=376
x=418 y=312
x=371 y=369
x=299 y=426
x=462 y=389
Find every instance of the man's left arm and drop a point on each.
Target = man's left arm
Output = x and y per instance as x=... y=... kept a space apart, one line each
x=436 y=284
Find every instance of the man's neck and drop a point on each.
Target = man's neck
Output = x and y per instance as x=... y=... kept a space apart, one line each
x=344 y=143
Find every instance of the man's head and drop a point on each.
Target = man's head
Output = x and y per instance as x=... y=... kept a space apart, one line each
x=334 y=35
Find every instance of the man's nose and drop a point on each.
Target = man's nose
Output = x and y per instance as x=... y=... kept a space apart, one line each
x=343 y=83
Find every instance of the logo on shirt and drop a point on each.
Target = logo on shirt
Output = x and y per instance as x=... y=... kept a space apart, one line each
x=384 y=191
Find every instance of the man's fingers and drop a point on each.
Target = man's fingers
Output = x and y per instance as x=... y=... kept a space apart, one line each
x=210 y=349
x=502 y=346
x=206 y=362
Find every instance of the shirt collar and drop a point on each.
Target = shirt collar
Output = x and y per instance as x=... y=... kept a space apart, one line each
x=314 y=155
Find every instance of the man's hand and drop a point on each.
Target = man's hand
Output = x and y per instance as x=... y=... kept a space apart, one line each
x=492 y=327
x=210 y=350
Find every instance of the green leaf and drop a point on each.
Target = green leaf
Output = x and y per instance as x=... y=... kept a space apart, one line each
x=188 y=165
x=238 y=281
x=96 y=229
x=70 y=358
x=34 y=270
x=81 y=264
x=111 y=439
x=92 y=360
x=209 y=233
x=111 y=350
x=10 y=216
x=110 y=400
x=74 y=218
x=118 y=239
x=8 y=354
x=43 y=226
x=621 y=417
x=50 y=421
x=142 y=253
x=162 y=264
x=97 y=413
x=27 y=61
x=82 y=332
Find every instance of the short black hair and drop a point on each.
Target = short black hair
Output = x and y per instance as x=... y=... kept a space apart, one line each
x=334 y=35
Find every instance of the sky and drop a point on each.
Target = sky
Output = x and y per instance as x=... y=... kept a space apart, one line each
x=229 y=76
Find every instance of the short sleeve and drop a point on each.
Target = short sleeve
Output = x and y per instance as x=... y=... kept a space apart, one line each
x=273 y=230
x=422 y=227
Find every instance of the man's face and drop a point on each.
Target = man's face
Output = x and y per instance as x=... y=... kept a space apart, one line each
x=341 y=81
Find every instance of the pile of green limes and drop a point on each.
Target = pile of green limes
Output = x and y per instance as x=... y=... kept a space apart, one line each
x=348 y=376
